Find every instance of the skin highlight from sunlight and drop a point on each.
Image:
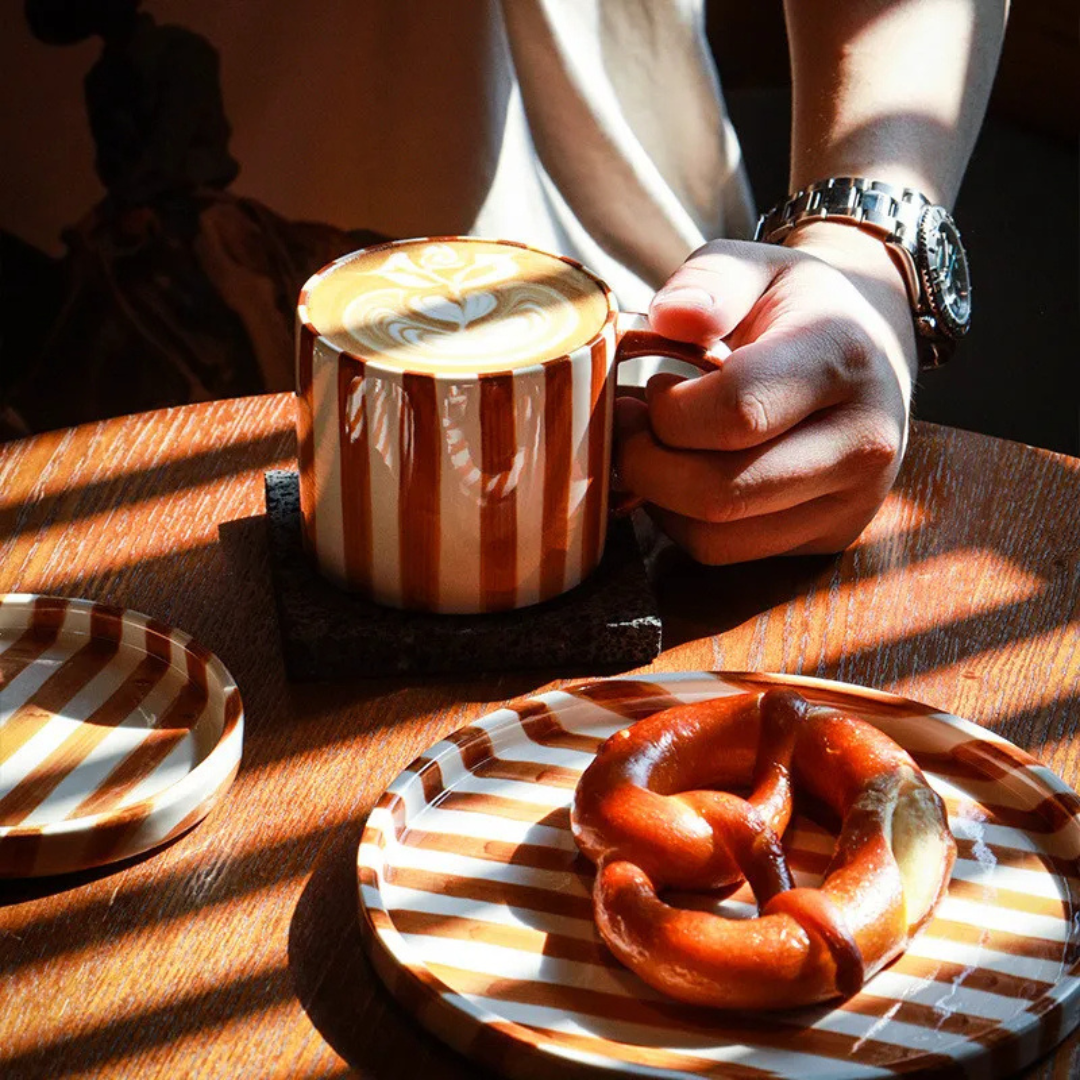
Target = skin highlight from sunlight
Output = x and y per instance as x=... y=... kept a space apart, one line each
x=926 y=94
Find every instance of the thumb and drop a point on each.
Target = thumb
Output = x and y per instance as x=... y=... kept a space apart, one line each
x=715 y=289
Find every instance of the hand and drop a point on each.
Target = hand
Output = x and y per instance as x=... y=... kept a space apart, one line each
x=790 y=447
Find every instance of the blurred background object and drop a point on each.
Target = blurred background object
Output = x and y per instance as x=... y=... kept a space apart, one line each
x=170 y=288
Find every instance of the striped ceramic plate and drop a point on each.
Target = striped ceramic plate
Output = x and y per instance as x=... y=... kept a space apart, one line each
x=476 y=908
x=117 y=733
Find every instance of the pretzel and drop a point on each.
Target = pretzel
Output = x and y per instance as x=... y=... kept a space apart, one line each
x=647 y=812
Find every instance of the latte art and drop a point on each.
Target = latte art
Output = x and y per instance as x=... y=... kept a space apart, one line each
x=457 y=305
x=510 y=324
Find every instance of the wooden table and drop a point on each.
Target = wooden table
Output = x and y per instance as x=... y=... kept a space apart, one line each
x=235 y=951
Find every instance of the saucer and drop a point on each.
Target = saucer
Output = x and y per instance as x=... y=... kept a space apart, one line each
x=117 y=734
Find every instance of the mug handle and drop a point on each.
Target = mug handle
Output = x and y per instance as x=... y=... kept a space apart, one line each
x=633 y=338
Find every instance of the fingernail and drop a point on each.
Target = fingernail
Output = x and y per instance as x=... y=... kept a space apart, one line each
x=684 y=296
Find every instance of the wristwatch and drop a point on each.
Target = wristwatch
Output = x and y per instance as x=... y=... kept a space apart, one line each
x=924 y=238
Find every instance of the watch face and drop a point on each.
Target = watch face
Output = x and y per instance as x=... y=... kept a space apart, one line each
x=944 y=269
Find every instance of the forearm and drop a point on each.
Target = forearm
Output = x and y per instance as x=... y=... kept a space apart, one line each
x=893 y=90
x=793 y=444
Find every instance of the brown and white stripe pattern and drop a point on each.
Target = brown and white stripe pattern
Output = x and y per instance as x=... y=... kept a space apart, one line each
x=476 y=908
x=456 y=492
x=117 y=733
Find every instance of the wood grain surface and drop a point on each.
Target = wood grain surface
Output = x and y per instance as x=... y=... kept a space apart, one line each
x=235 y=951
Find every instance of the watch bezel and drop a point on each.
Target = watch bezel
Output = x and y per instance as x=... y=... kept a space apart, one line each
x=935 y=222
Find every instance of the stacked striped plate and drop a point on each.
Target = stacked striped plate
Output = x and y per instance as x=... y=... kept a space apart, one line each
x=117 y=733
x=476 y=908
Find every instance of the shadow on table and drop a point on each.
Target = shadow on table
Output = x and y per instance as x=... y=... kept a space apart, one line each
x=994 y=585
x=702 y=601
x=21 y=890
x=72 y=503
x=338 y=988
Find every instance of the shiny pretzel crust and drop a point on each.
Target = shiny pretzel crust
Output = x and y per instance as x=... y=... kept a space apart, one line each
x=648 y=813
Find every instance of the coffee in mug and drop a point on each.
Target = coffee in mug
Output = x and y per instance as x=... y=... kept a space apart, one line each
x=454 y=416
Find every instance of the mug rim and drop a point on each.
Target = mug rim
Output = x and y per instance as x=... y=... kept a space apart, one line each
x=374 y=364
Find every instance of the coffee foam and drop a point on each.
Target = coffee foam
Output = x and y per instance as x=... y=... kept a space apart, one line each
x=453 y=305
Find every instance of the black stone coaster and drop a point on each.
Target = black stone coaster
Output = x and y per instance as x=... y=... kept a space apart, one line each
x=611 y=619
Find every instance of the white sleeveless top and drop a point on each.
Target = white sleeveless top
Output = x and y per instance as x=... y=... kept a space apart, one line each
x=616 y=139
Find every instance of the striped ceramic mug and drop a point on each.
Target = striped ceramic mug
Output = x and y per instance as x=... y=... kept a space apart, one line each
x=454 y=417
